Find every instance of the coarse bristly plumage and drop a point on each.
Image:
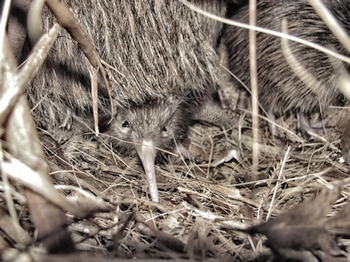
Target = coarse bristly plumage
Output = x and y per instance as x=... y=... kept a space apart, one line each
x=280 y=90
x=156 y=49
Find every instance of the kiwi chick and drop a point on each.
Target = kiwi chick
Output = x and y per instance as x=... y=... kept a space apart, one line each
x=153 y=129
x=149 y=131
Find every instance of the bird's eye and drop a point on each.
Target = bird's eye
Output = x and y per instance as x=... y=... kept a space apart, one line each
x=165 y=131
x=125 y=124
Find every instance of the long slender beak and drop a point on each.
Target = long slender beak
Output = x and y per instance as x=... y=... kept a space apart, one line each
x=147 y=154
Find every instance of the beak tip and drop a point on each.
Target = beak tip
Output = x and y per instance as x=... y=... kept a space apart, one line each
x=152 y=184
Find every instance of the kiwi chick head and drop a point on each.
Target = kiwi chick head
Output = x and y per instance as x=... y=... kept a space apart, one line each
x=149 y=130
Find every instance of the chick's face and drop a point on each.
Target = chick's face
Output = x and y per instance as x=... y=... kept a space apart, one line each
x=158 y=121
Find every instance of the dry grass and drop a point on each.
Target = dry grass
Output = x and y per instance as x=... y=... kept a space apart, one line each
x=202 y=207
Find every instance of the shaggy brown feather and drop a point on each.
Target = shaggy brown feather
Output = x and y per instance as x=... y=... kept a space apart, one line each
x=280 y=90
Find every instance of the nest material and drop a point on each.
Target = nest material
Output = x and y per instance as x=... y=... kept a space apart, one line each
x=203 y=209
